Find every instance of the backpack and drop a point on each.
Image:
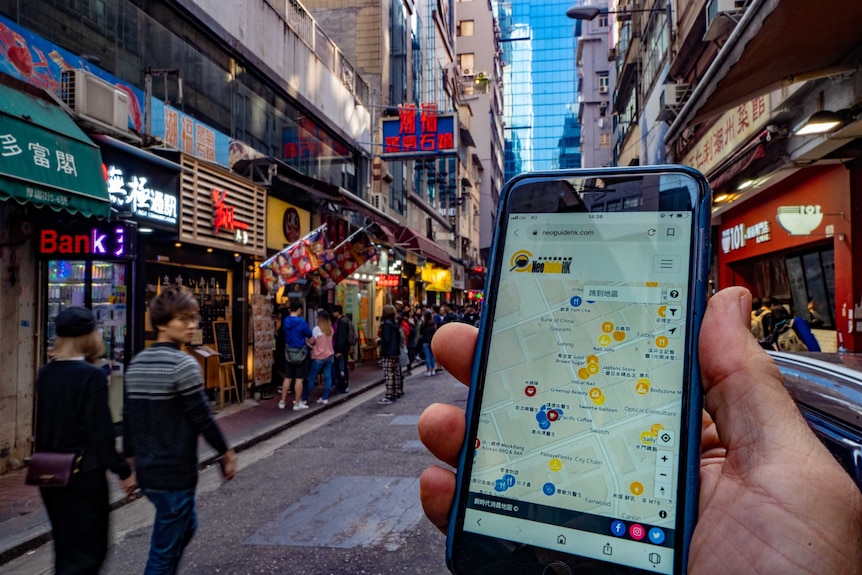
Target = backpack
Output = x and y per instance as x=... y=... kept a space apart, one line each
x=757 y=326
x=788 y=340
x=351 y=333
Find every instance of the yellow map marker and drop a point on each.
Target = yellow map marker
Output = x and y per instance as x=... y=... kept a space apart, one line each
x=647 y=438
x=555 y=465
x=661 y=341
x=643 y=386
x=607 y=327
x=592 y=359
x=619 y=335
x=593 y=368
x=637 y=488
x=597 y=396
x=584 y=373
x=604 y=340
x=655 y=428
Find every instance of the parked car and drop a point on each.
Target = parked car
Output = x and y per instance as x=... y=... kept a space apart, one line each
x=828 y=389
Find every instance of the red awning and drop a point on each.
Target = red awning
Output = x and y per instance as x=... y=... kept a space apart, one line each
x=414 y=241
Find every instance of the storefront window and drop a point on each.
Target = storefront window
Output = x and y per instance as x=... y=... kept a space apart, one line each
x=812 y=277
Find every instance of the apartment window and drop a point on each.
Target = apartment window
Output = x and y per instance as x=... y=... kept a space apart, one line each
x=467 y=63
x=465 y=28
x=604 y=140
x=603 y=20
x=604 y=83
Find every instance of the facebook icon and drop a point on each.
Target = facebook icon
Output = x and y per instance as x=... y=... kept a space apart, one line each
x=618 y=528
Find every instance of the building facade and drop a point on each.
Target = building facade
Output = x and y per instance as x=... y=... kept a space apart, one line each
x=595 y=93
x=538 y=47
x=197 y=115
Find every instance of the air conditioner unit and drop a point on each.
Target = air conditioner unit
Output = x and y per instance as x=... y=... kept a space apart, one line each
x=603 y=89
x=676 y=95
x=467 y=71
x=96 y=101
x=718 y=24
x=379 y=202
x=601 y=122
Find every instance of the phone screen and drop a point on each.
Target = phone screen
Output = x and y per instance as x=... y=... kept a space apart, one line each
x=580 y=422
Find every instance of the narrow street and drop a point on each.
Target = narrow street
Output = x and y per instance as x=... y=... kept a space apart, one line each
x=338 y=493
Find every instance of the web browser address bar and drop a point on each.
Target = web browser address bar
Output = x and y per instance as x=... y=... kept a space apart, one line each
x=604 y=232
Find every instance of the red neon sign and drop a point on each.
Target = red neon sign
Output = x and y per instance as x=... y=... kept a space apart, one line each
x=388 y=280
x=224 y=214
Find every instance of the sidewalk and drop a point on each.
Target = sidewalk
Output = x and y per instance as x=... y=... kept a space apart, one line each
x=24 y=523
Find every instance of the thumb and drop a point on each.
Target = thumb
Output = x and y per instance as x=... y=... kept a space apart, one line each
x=742 y=386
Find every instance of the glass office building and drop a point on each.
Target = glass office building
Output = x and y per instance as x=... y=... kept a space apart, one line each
x=539 y=82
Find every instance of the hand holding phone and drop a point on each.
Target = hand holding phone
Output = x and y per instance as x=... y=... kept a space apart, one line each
x=758 y=510
x=584 y=413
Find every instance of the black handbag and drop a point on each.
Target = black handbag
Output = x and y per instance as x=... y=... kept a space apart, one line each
x=51 y=469
x=295 y=355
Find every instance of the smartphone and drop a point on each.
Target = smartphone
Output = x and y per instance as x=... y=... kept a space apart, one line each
x=584 y=414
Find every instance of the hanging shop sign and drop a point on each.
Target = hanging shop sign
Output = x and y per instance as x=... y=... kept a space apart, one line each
x=419 y=132
x=80 y=241
x=221 y=210
x=437 y=279
x=142 y=186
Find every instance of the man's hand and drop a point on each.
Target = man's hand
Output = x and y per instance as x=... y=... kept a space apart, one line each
x=129 y=484
x=228 y=464
x=772 y=500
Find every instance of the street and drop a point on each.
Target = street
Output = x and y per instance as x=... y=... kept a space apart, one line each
x=338 y=493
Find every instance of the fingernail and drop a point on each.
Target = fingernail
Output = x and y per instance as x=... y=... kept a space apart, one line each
x=745 y=308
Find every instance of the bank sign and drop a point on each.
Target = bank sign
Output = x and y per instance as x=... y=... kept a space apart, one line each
x=102 y=241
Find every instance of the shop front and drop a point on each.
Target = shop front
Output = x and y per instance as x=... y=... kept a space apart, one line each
x=221 y=235
x=50 y=177
x=792 y=243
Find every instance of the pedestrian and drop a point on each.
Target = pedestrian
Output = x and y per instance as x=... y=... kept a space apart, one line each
x=296 y=335
x=72 y=415
x=321 y=357
x=390 y=345
x=470 y=316
x=404 y=350
x=341 y=346
x=278 y=367
x=426 y=332
x=165 y=412
x=438 y=317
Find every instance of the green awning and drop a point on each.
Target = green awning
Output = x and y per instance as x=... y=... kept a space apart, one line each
x=46 y=160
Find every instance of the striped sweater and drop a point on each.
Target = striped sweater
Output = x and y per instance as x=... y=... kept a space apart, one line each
x=165 y=410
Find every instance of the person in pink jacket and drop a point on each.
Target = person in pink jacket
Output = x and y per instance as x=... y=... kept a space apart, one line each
x=321 y=356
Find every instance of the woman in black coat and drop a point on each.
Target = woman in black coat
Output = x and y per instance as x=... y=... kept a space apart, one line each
x=390 y=349
x=72 y=415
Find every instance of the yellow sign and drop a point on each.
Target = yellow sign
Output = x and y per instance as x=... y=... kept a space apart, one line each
x=283 y=222
x=437 y=279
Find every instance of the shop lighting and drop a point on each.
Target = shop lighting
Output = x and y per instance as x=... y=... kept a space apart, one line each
x=145 y=230
x=209 y=250
x=745 y=184
x=821 y=122
x=178 y=244
x=721 y=198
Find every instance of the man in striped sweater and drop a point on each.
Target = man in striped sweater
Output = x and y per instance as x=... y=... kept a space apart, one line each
x=165 y=411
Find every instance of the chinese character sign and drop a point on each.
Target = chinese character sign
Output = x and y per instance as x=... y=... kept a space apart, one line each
x=419 y=131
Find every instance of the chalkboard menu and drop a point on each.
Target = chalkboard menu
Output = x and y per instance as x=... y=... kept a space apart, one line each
x=223 y=341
